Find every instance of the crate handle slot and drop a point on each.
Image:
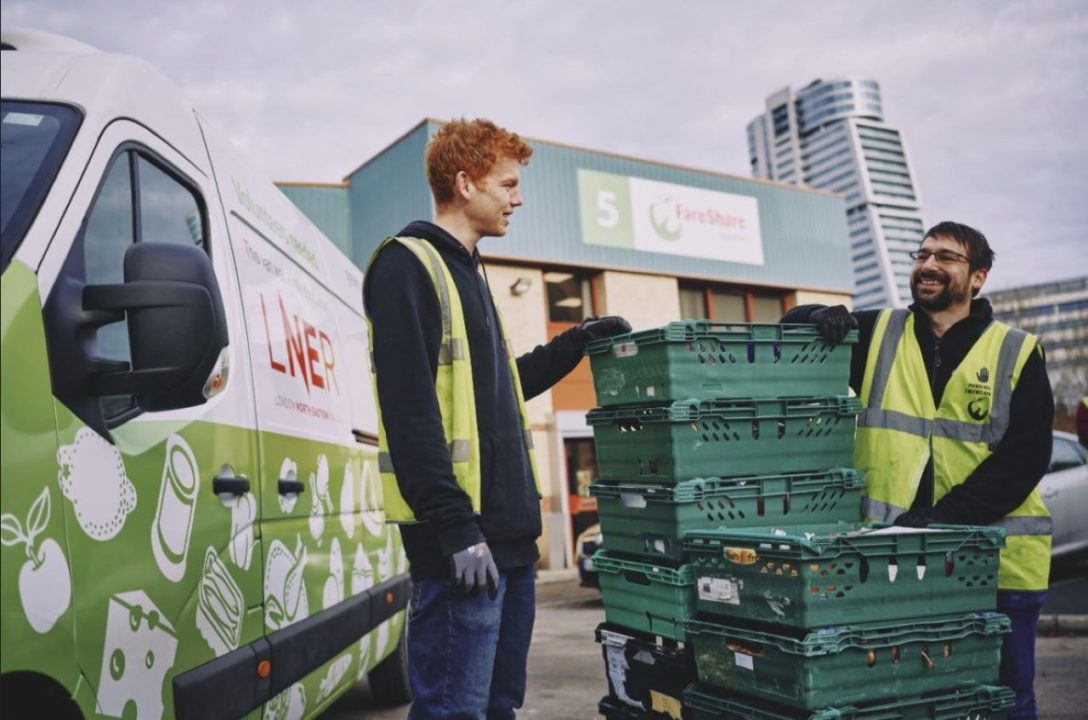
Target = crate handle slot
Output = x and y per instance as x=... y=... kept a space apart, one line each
x=636 y=578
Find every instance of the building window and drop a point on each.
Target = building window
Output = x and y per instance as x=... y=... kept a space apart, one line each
x=570 y=296
x=722 y=303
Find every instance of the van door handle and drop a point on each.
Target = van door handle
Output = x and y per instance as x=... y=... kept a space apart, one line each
x=230 y=485
x=291 y=487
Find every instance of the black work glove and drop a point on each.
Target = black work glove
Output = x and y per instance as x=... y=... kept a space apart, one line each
x=916 y=519
x=596 y=328
x=472 y=568
x=833 y=323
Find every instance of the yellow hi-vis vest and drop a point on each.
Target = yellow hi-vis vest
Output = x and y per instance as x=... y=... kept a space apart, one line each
x=899 y=429
x=453 y=386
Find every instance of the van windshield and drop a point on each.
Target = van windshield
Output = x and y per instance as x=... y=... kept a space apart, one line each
x=34 y=138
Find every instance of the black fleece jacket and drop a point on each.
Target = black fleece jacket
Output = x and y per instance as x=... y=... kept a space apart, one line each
x=401 y=303
x=1005 y=479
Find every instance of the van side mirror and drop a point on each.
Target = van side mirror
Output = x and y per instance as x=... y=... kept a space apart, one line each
x=177 y=331
x=176 y=326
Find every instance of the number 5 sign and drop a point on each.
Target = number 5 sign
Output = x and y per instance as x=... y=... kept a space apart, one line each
x=650 y=216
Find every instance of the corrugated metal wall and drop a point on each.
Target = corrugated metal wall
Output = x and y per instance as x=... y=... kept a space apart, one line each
x=805 y=237
x=327 y=207
x=388 y=192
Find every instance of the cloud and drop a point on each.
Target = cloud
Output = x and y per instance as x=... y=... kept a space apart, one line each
x=990 y=96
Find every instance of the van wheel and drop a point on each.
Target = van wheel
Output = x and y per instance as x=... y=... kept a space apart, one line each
x=30 y=695
x=388 y=680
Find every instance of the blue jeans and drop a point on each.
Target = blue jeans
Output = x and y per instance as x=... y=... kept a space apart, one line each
x=1018 y=650
x=467 y=654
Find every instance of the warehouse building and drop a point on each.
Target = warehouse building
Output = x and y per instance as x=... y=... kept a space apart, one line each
x=607 y=234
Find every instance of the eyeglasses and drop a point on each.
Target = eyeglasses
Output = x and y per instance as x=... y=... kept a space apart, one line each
x=943 y=257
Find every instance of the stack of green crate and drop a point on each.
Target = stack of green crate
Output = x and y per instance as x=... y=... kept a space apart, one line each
x=706 y=425
x=863 y=620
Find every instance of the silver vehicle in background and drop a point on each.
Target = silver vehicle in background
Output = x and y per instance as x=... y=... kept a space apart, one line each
x=1065 y=491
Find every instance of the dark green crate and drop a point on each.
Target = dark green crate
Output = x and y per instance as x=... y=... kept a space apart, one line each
x=651 y=520
x=810 y=576
x=981 y=702
x=704 y=359
x=848 y=664
x=645 y=596
x=723 y=438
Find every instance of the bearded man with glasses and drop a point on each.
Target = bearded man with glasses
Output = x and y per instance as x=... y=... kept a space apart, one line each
x=956 y=424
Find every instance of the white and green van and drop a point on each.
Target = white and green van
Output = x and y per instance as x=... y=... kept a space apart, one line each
x=191 y=510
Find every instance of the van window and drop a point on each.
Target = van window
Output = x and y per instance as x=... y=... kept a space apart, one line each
x=139 y=201
x=35 y=138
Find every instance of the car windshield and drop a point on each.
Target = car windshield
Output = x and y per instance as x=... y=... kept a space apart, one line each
x=34 y=138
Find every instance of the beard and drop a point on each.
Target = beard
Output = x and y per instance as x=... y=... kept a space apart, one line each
x=950 y=293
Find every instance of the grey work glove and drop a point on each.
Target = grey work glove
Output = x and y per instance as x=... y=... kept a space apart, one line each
x=472 y=568
x=833 y=323
x=597 y=328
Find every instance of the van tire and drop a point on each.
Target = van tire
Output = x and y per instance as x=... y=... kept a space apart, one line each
x=389 y=684
x=25 y=694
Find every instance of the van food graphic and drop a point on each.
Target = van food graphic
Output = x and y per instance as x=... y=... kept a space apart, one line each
x=334 y=584
x=362 y=572
x=322 y=503
x=173 y=526
x=285 y=592
x=347 y=501
x=45 y=585
x=92 y=475
x=385 y=557
x=219 y=606
x=364 y=656
x=288 y=705
x=139 y=651
x=243 y=511
x=381 y=637
x=370 y=497
x=288 y=471
x=334 y=676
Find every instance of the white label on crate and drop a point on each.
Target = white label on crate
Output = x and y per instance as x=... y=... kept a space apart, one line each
x=651 y=391
x=632 y=500
x=626 y=349
x=720 y=590
x=744 y=661
x=659 y=546
x=617 y=674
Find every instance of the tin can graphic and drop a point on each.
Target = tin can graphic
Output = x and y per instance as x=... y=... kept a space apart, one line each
x=170 y=533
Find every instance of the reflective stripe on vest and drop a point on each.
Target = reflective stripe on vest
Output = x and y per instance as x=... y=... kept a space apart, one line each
x=899 y=429
x=454 y=388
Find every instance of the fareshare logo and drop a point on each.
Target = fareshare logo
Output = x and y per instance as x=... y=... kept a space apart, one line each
x=983 y=375
x=662 y=220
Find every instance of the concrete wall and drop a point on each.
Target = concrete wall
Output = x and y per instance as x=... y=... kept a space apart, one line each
x=646 y=301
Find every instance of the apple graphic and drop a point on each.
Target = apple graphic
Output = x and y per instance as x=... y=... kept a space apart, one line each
x=45 y=587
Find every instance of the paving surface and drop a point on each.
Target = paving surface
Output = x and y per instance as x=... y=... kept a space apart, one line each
x=567 y=676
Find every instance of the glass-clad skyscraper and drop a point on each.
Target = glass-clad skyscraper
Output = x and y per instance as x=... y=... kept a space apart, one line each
x=831 y=135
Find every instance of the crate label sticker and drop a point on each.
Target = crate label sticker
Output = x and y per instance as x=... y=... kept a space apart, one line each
x=720 y=590
x=662 y=703
x=617 y=675
x=625 y=349
x=633 y=500
x=741 y=556
x=744 y=661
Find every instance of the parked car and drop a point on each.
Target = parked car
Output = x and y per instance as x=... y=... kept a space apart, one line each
x=1065 y=491
x=589 y=542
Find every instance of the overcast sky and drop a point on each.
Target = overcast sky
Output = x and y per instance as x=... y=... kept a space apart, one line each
x=992 y=97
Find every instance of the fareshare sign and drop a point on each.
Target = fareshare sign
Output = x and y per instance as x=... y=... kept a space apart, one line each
x=640 y=214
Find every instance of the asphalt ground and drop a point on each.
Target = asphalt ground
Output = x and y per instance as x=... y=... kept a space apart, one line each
x=567 y=673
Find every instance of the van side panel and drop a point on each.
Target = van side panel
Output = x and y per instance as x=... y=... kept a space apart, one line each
x=37 y=622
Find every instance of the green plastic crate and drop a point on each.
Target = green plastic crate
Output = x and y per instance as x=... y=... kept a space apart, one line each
x=813 y=576
x=651 y=520
x=723 y=438
x=850 y=664
x=981 y=702
x=645 y=596
x=704 y=359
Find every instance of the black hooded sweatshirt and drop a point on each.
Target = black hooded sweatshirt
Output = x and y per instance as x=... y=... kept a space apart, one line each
x=1002 y=481
x=402 y=305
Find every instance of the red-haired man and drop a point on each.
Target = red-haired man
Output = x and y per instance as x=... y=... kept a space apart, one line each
x=456 y=448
